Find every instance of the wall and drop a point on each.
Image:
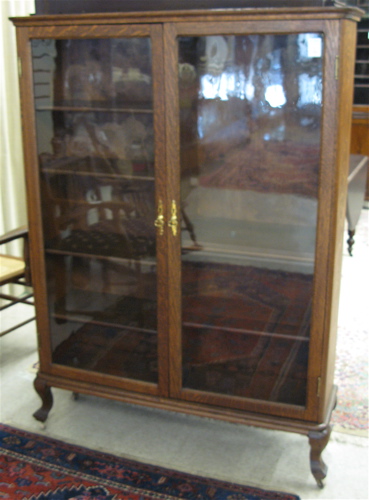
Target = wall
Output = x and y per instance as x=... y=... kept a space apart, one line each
x=13 y=211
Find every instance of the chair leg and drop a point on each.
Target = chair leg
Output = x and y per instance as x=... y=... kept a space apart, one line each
x=18 y=325
x=16 y=300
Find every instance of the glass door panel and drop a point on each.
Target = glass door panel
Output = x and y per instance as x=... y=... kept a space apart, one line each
x=95 y=138
x=250 y=123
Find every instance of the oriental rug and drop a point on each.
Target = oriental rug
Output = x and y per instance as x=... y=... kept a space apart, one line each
x=34 y=467
x=351 y=376
x=351 y=415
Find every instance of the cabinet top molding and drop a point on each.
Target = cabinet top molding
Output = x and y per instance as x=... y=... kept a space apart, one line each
x=190 y=13
x=85 y=6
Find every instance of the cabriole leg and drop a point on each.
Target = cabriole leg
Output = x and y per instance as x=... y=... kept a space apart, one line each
x=318 y=441
x=44 y=391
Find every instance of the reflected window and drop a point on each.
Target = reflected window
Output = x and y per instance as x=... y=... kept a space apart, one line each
x=223 y=76
x=310 y=90
x=310 y=46
x=275 y=96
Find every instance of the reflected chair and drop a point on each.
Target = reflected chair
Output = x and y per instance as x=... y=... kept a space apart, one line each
x=15 y=271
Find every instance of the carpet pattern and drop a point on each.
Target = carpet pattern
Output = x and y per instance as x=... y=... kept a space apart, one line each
x=34 y=467
x=351 y=414
x=351 y=377
x=270 y=168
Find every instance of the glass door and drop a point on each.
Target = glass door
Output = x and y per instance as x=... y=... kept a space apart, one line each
x=97 y=150
x=250 y=114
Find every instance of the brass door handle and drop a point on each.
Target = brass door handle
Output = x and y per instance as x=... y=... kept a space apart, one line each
x=159 y=221
x=173 y=222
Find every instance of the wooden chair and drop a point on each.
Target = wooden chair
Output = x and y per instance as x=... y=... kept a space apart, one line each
x=16 y=271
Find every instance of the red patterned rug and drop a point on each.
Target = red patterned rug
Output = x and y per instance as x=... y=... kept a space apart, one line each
x=34 y=467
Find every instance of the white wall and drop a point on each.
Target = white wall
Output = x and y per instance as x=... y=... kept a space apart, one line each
x=13 y=212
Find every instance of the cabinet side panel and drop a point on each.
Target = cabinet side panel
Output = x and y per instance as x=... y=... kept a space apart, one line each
x=33 y=194
x=345 y=72
x=327 y=176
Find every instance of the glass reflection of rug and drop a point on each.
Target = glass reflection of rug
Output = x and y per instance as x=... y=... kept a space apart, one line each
x=119 y=341
x=273 y=168
x=246 y=331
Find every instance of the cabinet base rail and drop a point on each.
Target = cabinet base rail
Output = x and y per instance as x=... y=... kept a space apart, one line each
x=318 y=434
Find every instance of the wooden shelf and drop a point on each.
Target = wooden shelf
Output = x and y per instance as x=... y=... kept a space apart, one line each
x=88 y=108
x=77 y=317
x=240 y=331
x=106 y=258
x=90 y=166
x=104 y=175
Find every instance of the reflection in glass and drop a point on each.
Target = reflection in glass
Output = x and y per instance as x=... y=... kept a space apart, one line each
x=95 y=140
x=250 y=118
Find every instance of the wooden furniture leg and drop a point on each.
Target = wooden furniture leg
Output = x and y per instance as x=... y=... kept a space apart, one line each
x=350 y=241
x=318 y=441
x=44 y=391
x=355 y=194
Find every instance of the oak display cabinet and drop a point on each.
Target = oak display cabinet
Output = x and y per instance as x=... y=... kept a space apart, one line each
x=186 y=174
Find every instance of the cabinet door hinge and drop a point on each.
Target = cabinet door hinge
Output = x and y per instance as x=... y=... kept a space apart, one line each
x=319 y=383
x=19 y=67
x=336 y=67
